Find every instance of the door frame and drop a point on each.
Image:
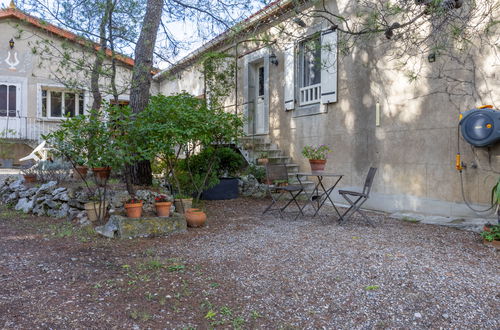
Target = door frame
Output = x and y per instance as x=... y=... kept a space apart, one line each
x=259 y=56
x=21 y=99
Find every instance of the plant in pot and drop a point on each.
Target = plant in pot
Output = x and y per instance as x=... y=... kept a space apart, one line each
x=492 y=236
x=263 y=159
x=162 y=205
x=29 y=174
x=133 y=207
x=317 y=156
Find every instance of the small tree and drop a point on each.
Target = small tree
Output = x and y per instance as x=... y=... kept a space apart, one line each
x=177 y=127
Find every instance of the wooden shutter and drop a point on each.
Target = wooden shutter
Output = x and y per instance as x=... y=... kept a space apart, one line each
x=329 y=67
x=289 y=71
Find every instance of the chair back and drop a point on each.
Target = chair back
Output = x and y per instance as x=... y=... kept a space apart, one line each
x=276 y=172
x=369 y=181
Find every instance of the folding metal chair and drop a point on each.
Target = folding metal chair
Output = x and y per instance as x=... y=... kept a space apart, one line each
x=275 y=174
x=357 y=199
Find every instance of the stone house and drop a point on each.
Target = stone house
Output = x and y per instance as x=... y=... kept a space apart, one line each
x=363 y=104
x=39 y=85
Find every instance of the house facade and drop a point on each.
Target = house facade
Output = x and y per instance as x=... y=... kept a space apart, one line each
x=297 y=86
x=44 y=76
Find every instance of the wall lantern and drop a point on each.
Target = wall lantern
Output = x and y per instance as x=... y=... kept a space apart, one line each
x=431 y=58
x=273 y=59
x=11 y=43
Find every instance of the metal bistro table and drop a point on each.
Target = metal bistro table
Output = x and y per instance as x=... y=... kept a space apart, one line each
x=315 y=198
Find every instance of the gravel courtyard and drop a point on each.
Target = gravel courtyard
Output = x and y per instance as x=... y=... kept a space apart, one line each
x=248 y=271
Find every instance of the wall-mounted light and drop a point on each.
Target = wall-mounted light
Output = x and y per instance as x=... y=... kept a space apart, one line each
x=11 y=43
x=431 y=57
x=273 y=59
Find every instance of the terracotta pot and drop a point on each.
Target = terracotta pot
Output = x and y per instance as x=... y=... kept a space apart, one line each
x=92 y=209
x=134 y=210
x=163 y=209
x=495 y=244
x=195 y=217
x=29 y=178
x=486 y=228
x=101 y=174
x=317 y=164
x=181 y=205
x=262 y=161
x=80 y=171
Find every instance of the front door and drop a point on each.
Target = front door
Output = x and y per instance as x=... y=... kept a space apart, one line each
x=10 y=110
x=260 y=111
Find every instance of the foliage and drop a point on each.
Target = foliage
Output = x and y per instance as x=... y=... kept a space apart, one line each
x=174 y=128
x=495 y=193
x=258 y=172
x=493 y=234
x=161 y=199
x=133 y=200
x=219 y=72
x=316 y=152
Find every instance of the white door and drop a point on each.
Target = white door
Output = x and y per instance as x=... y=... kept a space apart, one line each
x=10 y=110
x=260 y=111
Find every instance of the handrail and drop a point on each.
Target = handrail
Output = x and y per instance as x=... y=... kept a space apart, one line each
x=310 y=94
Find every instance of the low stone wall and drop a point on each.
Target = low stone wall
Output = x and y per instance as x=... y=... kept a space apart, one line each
x=123 y=227
x=60 y=202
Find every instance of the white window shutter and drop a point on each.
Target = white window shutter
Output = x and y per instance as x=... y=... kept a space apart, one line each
x=289 y=70
x=329 y=67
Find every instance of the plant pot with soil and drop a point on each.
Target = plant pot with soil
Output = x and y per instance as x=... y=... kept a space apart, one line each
x=133 y=207
x=162 y=205
x=80 y=171
x=491 y=237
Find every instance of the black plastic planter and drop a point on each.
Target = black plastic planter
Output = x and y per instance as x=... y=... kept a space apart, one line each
x=227 y=188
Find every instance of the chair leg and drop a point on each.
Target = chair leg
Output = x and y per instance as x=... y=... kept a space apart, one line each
x=356 y=207
x=274 y=202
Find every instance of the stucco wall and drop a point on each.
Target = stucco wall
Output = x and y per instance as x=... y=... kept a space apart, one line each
x=415 y=144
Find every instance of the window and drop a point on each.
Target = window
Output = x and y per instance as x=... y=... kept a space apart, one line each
x=8 y=100
x=57 y=103
x=309 y=73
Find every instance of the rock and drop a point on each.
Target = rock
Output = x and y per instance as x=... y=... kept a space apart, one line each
x=63 y=196
x=25 y=205
x=17 y=185
x=61 y=212
x=75 y=203
x=417 y=315
x=28 y=193
x=110 y=229
x=49 y=186
x=118 y=198
x=10 y=198
x=58 y=190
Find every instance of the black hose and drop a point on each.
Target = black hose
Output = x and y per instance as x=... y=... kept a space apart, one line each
x=462 y=182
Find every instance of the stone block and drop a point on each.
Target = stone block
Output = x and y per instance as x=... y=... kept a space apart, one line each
x=123 y=227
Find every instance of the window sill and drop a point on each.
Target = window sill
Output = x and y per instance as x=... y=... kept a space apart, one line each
x=309 y=110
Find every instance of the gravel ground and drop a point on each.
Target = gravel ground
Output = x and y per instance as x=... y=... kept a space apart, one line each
x=245 y=270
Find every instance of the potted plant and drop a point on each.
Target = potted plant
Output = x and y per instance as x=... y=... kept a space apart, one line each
x=29 y=174
x=263 y=159
x=162 y=205
x=80 y=170
x=492 y=236
x=133 y=206
x=317 y=156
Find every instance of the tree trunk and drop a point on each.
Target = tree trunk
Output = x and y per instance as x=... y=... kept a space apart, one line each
x=141 y=77
x=99 y=60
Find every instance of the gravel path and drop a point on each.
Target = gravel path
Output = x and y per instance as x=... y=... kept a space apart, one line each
x=251 y=271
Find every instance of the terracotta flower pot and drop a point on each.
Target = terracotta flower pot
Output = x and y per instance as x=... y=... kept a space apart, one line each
x=92 y=209
x=163 y=209
x=317 y=164
x=134 y=210
x=29 y=178
x=495 y=244
x=80 y=171
x=195 y=217
x=101 y=174
x=182 y=204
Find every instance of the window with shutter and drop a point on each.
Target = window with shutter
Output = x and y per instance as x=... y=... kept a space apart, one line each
x=329 y=67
